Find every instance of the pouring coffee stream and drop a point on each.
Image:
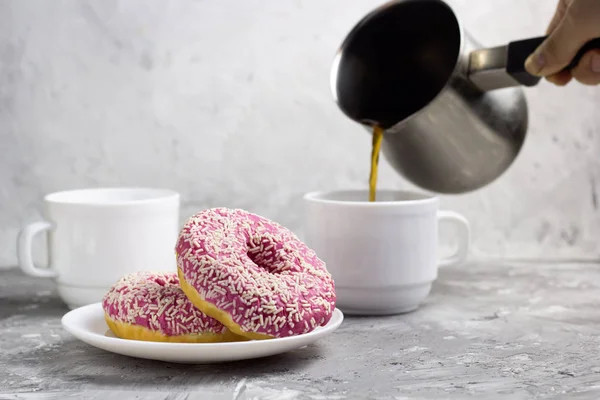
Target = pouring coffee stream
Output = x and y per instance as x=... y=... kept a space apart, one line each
x=376 y=146
x=453 y=114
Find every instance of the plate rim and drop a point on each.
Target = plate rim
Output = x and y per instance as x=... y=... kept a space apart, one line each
x=334 y=323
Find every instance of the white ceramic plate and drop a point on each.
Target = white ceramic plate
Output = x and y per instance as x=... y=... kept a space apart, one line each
x=87 y=324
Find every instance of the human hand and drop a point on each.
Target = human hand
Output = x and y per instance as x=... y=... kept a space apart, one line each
x=575 y=22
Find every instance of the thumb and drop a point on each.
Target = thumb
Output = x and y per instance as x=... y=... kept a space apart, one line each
x=557 y=51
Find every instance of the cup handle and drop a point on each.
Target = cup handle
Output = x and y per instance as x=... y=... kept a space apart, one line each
x=464 y=236
x=24 y=246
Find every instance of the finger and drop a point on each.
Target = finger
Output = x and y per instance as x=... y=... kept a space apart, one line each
x=561 y=78
x=559 y=14
x=557 y=51
x=588 y=69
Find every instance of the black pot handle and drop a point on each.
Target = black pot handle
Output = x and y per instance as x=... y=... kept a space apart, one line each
x=518 y=51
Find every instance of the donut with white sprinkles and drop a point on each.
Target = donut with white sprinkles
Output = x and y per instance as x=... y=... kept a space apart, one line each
x=152 y=307
x=253 y=275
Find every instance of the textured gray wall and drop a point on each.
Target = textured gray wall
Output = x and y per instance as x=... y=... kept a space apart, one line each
x=228 y=102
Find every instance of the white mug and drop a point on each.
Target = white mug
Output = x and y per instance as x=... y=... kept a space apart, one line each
x=382 y=255
x=95 y=236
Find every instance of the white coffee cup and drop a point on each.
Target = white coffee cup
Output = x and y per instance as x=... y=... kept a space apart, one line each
x=95 y=236
x=382 y=255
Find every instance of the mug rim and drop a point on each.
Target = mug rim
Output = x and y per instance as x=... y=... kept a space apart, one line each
x=320 y=197
x=68 y=197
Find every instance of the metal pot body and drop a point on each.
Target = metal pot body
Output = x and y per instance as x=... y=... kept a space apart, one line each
x=409 y=67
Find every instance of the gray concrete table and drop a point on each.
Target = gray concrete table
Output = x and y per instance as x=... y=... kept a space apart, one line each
x=487 y=331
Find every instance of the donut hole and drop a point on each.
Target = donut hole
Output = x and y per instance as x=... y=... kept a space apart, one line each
x=264 y=253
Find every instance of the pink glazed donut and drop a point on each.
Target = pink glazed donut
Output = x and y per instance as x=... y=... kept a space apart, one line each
x=152 y=307
x=253 y=275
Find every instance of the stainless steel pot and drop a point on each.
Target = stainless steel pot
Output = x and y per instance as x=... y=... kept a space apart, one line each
x=455 y=115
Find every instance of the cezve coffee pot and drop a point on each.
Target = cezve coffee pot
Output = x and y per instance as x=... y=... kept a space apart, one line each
x=455 y=115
